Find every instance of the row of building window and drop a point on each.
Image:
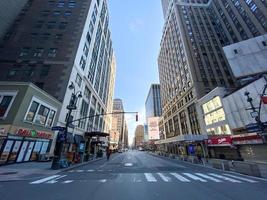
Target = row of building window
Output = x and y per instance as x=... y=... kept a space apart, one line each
x=37 y=52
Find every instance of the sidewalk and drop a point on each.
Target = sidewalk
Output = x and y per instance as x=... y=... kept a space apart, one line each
x=29 y=170
x=262 y=167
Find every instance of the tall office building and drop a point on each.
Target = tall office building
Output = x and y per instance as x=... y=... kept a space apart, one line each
x=112 y=77
x=191 y=60
x=126 y=134
x=165 y=6
x=118 y=124
x=9 y=11
x=153 y=102
x=139 y=135
x=57 y=43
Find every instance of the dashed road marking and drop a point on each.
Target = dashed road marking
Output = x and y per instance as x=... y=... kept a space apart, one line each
x=128 y=164
x=179 y=177
x=55 y=179
x=241 y=178
x=225 y=178
x=164 y=178
x=196 y=178
x=150 y=177
x=68 y=181
x=209 y=177
x=45 y=179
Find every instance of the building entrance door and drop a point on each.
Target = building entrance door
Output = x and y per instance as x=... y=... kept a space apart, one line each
x=22 y=151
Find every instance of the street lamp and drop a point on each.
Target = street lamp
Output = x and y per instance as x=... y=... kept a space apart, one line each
x=255 y=113
x=56 y=164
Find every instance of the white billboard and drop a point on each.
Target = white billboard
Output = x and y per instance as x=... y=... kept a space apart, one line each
x=153 y=128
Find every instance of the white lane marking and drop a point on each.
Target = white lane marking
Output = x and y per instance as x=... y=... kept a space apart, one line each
x=225 y=178
x=90 y=170
x=164 y=178
x=241 y=178
x=208 y=177
x=179 y=177
x=71 y=171
x=55 y=179
x=128 y=164
x=196 y=178
x=80 y=170
x=68 y=181
x=103 y=180
x=150 y=177
x=44 y=179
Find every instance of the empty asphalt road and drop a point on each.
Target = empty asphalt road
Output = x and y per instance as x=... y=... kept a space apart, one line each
x=135 y=175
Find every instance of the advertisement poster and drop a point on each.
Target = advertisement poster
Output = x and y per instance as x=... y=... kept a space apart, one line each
x=14 y=153
x=6 y=151
x=153 y=128
x=36 y=150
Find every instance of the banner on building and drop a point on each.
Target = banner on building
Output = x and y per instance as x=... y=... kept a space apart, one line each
x=153 y=128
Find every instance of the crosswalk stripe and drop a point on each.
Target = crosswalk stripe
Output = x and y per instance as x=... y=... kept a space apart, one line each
x=44 y=179
x=225 y=178
x=164 y=178
x=196 y=178
x=179 y=177
x=241 y=178
x=79 y=170
x=150 y=177
x=90 y=170
x=103 y=180
x=68 y=181
x=55 y=179
x=208 y=177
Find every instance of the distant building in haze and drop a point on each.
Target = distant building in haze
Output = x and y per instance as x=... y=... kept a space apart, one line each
x=139 y=135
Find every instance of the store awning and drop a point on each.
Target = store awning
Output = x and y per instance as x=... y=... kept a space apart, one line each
x=219 y=141
x=95 y=134
x=249 y=138
x=78 y=139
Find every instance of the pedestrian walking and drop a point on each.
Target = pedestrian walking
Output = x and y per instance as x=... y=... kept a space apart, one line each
x=108 y=152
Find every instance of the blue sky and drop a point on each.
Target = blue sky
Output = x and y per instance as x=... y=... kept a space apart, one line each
x=136 y=28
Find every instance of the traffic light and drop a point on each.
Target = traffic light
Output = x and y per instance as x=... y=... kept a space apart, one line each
x=136 y=117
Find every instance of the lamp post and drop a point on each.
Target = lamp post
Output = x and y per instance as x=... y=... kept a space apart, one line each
x=56 y=164
x=255 y=113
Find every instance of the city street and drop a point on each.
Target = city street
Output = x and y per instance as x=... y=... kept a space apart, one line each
x=137 y=175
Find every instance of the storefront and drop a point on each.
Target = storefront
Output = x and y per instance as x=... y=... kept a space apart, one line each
x=251 y=146
x=93 y=143
x=221 y=147
x=23 y=145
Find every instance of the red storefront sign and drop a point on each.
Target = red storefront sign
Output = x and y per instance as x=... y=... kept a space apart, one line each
x=264 y=99
x=32 y=133
x=220 y=141
x=251 y=138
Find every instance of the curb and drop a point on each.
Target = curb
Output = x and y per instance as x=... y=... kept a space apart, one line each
x=209 y=167
x=79 y=165
x=52 y=172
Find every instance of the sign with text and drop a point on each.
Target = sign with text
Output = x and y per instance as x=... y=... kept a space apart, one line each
x=224 y=141
x=153 y=128
x=33 y=133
